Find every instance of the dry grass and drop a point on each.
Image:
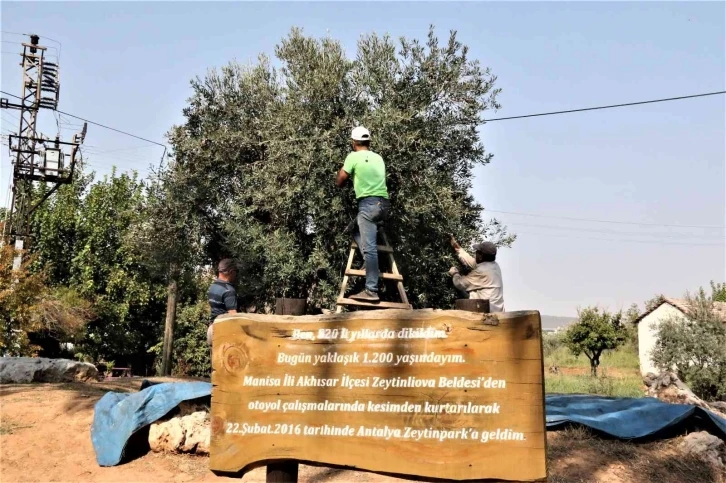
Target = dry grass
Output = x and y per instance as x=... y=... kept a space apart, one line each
x=576 y=455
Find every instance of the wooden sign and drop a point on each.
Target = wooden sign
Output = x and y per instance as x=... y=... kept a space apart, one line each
x=430 y=393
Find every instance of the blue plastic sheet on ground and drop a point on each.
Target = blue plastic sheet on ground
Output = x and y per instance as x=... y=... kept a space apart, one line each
x=117 y=416
x=629 y=418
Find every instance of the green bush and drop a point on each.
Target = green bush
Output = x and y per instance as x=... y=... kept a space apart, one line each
x=696 y=346
x=190 y=354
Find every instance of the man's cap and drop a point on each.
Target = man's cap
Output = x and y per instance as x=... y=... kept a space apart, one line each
x=360 y=134
x=227 y=265
x=486 y=248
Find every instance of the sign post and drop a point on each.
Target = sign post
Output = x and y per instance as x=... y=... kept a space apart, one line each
x=423 y=393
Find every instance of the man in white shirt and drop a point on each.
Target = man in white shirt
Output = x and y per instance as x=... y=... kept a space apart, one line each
x=484 y=280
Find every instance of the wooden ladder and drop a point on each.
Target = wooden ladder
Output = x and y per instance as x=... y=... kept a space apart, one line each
x=393 y=275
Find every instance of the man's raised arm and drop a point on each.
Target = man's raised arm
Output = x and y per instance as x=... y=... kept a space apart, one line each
x=463 y=256
x=342 y=178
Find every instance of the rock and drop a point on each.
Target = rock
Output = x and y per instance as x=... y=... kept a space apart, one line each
x=21 y=370
x=706 y=447
x=669 y=388
x=719 y=405
x=197 y=431
x=188 y=431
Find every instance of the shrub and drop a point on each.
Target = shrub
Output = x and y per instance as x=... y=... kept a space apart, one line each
x=32 y=314
x=190 y=353
x=696 y=347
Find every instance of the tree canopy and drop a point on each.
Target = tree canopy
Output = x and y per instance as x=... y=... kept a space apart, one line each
x=595 y=332
x=255 y=161
x=252 y=176
x=695 y=346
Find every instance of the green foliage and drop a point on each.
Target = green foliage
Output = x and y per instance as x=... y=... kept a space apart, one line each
x=255 y=161
x=631 y=329
x=718 y=292
x=594 y=333
x=696 y=347
x=191 y=354
x=56 y=227
x=30 y=310
x=654 y=302
x=620 y=375
x=624 y=358
x=630 y=386
x=83 y=236
x=551 y=343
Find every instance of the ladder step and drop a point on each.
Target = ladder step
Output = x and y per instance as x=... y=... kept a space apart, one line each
x=381 y=248
x=384 y=276
x=382 y=304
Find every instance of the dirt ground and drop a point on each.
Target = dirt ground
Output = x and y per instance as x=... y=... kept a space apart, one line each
x=45 y=436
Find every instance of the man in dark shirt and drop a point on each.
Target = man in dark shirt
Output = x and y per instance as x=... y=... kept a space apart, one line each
x=222 y=295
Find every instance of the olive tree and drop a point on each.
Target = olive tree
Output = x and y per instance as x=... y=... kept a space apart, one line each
x=260 y=146
x=696 y=347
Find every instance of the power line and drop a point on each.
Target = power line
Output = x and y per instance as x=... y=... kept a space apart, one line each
x=667 y=99
x=681 y=236
x=603 y=221
x=103 y=126
x=652 y=242
x=57 y=49
x=97 y=123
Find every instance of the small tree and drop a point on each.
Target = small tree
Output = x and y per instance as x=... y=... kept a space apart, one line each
x=654 y=302
x=594 y=333
x=696 y=346
x=718 y=292
x=631 y=330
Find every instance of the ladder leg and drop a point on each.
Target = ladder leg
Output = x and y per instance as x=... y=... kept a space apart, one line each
x=344 y=285
x=394 y=270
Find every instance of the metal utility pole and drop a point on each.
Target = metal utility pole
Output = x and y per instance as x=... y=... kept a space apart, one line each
x=36 y=157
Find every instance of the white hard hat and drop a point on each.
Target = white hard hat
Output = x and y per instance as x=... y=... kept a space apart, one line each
x=360 y=134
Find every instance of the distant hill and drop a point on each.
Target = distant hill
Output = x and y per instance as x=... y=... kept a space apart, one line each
x=550 y=322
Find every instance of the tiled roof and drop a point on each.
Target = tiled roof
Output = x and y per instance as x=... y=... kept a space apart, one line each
x=682 y=304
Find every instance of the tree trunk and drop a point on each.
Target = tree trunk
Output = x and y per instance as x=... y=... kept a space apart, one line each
x=169 y=325
x=594 y=362
x=282 y=473
x=285 y=306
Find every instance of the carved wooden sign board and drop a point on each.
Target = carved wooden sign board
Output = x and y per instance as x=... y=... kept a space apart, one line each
x=422 y=393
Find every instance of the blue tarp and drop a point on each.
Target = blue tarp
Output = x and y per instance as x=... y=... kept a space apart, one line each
x=119 y=415
x=629 y=418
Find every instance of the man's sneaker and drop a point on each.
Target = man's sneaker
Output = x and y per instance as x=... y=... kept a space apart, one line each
x=366 y=296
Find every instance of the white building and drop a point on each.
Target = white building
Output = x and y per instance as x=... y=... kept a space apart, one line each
x=648 y=327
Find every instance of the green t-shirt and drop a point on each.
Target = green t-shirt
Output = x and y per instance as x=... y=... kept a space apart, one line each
x=369 y=174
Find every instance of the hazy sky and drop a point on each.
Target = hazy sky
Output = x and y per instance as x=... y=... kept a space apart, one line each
x=128 y=65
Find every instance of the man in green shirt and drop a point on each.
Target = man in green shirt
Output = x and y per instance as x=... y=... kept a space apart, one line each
x=369 y=182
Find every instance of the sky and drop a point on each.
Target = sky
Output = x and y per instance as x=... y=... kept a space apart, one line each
x=650 y=168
